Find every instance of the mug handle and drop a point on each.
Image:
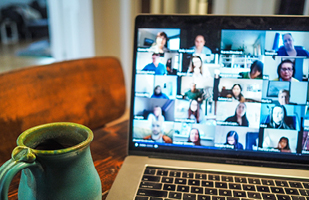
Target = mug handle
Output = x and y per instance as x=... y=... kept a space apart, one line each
x=22 y=157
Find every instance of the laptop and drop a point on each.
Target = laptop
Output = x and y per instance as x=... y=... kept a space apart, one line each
x=218 y=101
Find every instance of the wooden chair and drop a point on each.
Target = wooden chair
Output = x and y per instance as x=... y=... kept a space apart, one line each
x=88 y=91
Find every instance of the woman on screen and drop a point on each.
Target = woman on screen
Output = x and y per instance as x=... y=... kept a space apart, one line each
x=256 y=71
x=283 y=145
x=194 y=137
x=236 y=93
x=195 y=112
x=232 y=139
x=240 y=115
x=286 y=71
x=289 y=49
x=196 y=68
x=283 y=97
x=159 y=45
x=157 y=93
x=278 y=118
x=156 y=115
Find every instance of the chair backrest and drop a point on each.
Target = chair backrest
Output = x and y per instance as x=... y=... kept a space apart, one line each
x=88 y=91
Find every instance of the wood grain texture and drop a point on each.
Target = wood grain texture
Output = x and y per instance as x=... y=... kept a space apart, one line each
x=88 y=91
x=108 y=150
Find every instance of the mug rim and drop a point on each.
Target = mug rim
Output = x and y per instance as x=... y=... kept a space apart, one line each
x=81 y=145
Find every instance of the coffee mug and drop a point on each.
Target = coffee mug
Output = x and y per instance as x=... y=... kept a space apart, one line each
x=56 y=163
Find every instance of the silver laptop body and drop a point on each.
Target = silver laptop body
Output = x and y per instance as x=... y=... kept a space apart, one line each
x=218 y=94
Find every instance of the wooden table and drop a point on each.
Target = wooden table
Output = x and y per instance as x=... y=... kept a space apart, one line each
x=108 y=150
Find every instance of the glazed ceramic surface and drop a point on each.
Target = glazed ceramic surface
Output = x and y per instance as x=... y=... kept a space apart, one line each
x=56 y=163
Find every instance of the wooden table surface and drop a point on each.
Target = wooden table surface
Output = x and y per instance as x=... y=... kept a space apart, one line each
x=108 y=150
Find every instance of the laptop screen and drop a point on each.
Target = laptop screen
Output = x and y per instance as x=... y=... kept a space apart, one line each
x=223 y=86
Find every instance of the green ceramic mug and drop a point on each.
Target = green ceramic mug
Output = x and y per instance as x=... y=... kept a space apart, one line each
x=56 y=163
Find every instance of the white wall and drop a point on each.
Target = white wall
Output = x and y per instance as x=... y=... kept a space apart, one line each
x=252 y=7
x=71 y=29
x=113 y=30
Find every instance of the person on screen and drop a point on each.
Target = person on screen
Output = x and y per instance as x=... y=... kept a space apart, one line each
x=232 y=139
x=194 y=94
x=236 y=93
x=195 y=112
x=284 y=97
x=283 y=145
x=156 y=115
x=199 y=46
x=286 y=71
x=256 y=71
x=159 y=45
x=196 y=68
x=278 y=118
x=169 y=67
x=155 y=66
x=194 y=137
x=289 y=48
x=240 y=115
x=157 y=133
x=157 y=93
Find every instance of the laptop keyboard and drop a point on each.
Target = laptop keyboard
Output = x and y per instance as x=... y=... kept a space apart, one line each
x=165 y=184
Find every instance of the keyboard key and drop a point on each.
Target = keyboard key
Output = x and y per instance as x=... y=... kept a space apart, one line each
x=234 y=186
x=175 y=195
x=227 y=178
x=295 y=184
x=194 y=182
x=262 y=188
x=291 y=191
x=213 y=177
x=306 y=185
x=240 y=180
x=277 y=190
x=254 y=181
x=156 y=198
x=189 y=196
x=249 y=187
x=298 y=198
x=203 y=197
x=150 y=171
x=304 y=192
x=162 y=173
x=226 y=193
x=167 y=180
x=175 y=174
x=267 y=182
x=200 y=176
x=220 y=185
x=268 y=196
x=141 y=198
x=150 y=185
x=282 y=183
x=198 y=190
x=218 y=198
x=152 y=193
x=208 y=183
x=187 y=175
x=211 y=191
x=169 y=187
x=283 y=197
x=181 y=188
x=254 y=195
x=239 y=194
x=151 y=178
x=181 y=181
x=233 y=198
